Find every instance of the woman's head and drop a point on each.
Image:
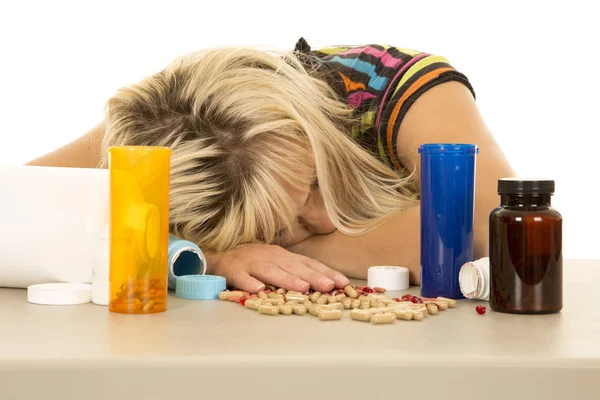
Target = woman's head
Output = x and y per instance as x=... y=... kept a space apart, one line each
x=251 y=133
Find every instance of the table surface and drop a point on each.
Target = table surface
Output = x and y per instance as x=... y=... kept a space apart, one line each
x=223 y=349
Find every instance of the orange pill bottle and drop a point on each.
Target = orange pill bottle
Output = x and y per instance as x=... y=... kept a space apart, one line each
x=139 y=229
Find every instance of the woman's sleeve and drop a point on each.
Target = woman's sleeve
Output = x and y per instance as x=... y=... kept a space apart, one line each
x=414 y=77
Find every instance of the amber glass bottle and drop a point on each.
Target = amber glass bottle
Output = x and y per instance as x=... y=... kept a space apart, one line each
x=526 y=249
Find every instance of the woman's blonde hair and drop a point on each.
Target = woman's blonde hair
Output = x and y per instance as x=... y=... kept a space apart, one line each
x=239 y=121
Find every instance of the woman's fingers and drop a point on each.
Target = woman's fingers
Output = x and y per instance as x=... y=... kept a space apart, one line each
x=340 y=281
x=273 y=274
x=241 y=279
x=317 y=280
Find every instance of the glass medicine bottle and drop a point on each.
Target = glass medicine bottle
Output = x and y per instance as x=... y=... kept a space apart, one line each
x=525 y=249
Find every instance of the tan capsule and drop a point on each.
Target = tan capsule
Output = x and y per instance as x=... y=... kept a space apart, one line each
x=285 y=309
x=271 y=287
x=355 y=304
x=442 y=305
x=315 y=296
x=262 y=295
x=268 y=309
x=351 y=292
x=294 y=292
x=336 y=306
x=330 y=315
x=432 y=309
x=275 y=302
x=253 y=304
x=405 y=314
x=323 y=299
x=298 y=309
x=418 y=315
x=365 y=304
x=362 y=297
x=360 y=315
x=281 y=291
x=451 y=303
x=313 y=309
x=385 y=318
x=275 y=295
x=293 y=297
x=347 y=302
x=307 y=303
x=386 y=301
x=332 y=299
x=148 y=306
x=226 y=294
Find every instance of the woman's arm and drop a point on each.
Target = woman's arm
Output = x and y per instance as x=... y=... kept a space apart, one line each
x=83 y=152
x=445 y=113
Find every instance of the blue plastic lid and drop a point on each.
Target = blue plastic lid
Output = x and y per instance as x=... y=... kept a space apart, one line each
x=448 y=148
x=199 y=287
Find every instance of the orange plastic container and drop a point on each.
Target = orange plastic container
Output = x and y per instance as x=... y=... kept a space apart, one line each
x=139 y=228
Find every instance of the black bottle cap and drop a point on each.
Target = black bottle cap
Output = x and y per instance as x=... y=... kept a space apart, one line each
x=525 y=186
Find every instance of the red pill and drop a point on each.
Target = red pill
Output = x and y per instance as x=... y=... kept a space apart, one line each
x=480 y=310
x=243 y=300
x=367 y=289
x=397 y=300
x=379 y=289
x=407 y=297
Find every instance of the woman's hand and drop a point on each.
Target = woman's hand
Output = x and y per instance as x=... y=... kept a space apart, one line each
x=252 y=266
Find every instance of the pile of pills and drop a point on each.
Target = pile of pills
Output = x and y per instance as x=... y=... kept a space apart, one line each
x=365 y=304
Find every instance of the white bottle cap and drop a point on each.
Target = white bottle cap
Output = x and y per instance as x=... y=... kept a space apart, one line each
x=474 y=279
x=59 y=293
x=388 y=277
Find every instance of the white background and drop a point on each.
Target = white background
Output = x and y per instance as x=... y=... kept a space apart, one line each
x=534 y=65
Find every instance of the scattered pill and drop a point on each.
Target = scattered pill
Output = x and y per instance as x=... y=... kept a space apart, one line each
x=367 y=289
x=262 y=295
x=355 y=303
x=347 y=302
x=330 y=315
x=432 y=308
x=379 y=289
x=360 y=315
x=351 y=292
x=225 y=295
x=405 y=315
x=337 y=306
x=480 y=310
x=285 y=309
x=323 y=299
x=315 y=296
x=253 y=304
x=298 y=309
x=275 y=295
x=268 y=309
x=275 y=302
x=451 y=302
x=306 y=303
x=280 y=291
x=385 y=318
x=418 y=315
x=294 y=297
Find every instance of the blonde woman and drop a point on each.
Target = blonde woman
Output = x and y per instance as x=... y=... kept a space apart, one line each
x=298 y=169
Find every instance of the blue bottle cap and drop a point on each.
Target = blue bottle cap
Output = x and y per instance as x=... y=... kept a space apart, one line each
x=199 y=287
x=448 y=148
